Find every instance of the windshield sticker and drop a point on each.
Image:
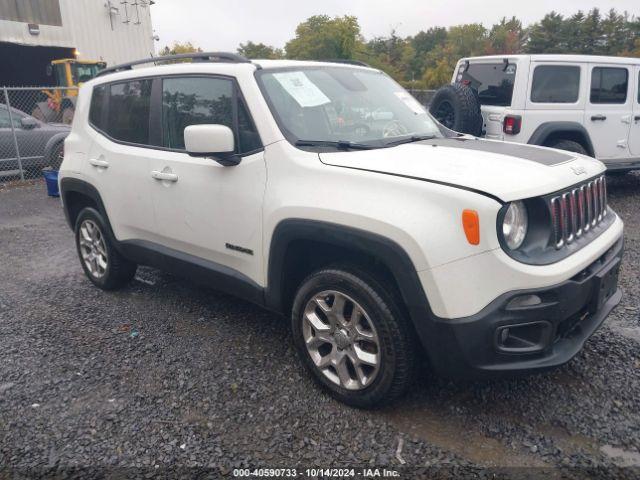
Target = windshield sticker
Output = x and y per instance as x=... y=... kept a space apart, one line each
x=411 y=102
x=303 y=90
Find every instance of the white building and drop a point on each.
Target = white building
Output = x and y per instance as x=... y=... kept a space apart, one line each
x=34 y=32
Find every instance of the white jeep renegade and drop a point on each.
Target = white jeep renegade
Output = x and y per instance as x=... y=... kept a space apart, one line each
x=580 y=103
x=325 y=192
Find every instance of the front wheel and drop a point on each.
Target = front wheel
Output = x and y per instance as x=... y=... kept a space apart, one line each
x=101 y=262
x=352 y=337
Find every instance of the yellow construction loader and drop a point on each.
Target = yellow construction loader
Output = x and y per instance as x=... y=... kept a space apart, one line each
x=60 y=104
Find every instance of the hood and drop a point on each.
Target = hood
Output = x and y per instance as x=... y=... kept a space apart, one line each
x=508 y=171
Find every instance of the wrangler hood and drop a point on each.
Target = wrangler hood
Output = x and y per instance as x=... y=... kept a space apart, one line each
x=508 y=171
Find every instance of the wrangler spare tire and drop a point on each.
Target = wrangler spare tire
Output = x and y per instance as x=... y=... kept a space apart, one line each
x=457 y=107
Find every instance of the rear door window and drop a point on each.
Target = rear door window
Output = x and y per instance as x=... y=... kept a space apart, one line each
x=609 y=85
x=128 y=115
x=493 y=81
x=555 y=84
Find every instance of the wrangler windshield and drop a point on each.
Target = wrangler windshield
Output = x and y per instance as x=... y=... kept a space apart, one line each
x=344 y=107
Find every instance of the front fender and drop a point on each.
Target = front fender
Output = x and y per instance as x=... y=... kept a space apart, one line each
x=387 y=251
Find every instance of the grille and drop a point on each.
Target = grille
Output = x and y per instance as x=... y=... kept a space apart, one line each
x=578 y=210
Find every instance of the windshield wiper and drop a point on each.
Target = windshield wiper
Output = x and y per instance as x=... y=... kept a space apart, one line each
x=340 y=144
x=411 y=139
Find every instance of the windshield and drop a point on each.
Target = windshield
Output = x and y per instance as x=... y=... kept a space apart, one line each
x=346 y=105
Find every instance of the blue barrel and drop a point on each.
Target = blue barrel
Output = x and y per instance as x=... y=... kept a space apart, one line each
x=51 y=177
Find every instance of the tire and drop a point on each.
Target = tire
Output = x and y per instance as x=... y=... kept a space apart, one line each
x=67 y=115
x=457 y=107
x=56 y=156
x=114 y=271
x=569 y=146
x=382 y=321
x=38 y=114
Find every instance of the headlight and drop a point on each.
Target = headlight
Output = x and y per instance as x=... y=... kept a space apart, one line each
x=515 y=224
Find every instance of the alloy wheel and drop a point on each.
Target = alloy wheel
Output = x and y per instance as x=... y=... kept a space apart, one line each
x=93 y=248
x=341 y=340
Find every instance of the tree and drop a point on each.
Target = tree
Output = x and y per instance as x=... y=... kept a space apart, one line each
x=322 y=38
x=548 y=35
x=177 y=48
x=616 y=32
x=259 y=50
x=506 y=37
x=423 y=43
x=391 y=54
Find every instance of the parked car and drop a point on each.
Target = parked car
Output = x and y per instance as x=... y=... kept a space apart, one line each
x=40 y=144
x=580 y=103
x=496 y=258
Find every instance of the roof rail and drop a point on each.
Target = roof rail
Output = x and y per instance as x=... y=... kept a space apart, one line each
x=345 y=60
x=225 y=57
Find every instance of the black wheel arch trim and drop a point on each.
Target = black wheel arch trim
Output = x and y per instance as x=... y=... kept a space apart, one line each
x=69 y=185
x=545 y=130
x=392 y=255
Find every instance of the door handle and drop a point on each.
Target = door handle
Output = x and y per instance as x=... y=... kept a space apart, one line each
x=99 y=163
x=596 y=118
x=164 y=176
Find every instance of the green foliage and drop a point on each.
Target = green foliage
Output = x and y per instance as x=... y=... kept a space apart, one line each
x=427 y=59
x=177 y=48
x=321 y=37
x=588 y=33
x=259 y=50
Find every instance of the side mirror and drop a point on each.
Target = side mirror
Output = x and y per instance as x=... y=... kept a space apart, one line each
x=214 y=141
x=49 y=70
x=28 y=123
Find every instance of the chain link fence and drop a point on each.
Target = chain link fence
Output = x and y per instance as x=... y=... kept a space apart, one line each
x=423 y=96
x=34 y=122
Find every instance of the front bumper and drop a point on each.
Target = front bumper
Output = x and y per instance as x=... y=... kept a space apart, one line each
x=508 y=338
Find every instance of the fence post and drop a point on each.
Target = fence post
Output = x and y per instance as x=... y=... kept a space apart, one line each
x=13 y=132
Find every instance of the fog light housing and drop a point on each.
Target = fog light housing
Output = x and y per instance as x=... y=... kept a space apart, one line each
x=524 y=301
x=529 y=337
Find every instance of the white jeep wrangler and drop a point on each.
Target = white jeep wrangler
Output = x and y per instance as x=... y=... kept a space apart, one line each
x=325 y=192
x=580 y=103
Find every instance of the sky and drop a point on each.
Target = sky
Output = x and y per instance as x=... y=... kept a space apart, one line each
x=224 y=24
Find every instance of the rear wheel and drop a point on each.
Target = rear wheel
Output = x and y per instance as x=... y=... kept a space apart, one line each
x=57 y=155
x=352 y=337
x=101 y=262
x=67 y=115
x=38 y=114
x=569 y=146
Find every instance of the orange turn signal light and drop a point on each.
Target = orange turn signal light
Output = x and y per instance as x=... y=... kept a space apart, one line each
x=471 y=226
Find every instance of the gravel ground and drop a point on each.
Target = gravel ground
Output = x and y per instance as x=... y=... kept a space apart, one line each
x=168 y=375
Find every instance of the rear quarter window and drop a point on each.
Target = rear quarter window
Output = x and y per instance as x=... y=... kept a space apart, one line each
x=555 y=84
x=96 y=109
x=493 y=81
